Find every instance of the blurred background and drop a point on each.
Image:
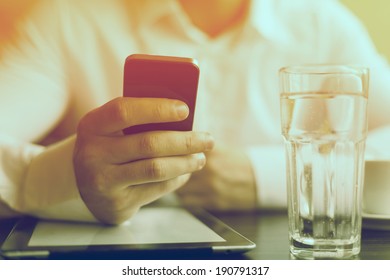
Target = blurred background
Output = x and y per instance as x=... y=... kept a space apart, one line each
x=373 y=13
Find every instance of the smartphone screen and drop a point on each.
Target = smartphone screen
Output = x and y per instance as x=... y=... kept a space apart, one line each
x=162 y=77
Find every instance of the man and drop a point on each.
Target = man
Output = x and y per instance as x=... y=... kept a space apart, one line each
x=62 y=152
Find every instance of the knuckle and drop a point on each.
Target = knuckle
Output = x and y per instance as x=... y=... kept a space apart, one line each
x=98 y=181
x=82 y=126
x=91 y=179
x=120 y=111
x=189 y=142
x=156 y=169
x=148 y=144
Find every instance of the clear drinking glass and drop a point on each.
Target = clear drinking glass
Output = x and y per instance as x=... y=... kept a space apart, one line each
x=324 y=124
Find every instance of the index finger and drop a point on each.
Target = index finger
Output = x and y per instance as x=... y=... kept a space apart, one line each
x=124 y=112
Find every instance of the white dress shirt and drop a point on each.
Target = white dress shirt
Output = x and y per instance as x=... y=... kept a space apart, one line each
x=70 y=57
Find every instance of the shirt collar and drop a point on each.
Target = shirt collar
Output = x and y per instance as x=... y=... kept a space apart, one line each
x=152 y=11
x=264 y=16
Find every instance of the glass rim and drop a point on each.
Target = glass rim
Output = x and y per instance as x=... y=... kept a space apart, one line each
x=323 y=69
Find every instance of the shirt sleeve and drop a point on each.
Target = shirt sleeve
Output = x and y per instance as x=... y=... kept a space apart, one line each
x=348 y=42
x=269 y=166
x=34 y=179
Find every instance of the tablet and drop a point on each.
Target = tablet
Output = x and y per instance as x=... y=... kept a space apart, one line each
x=154 y=232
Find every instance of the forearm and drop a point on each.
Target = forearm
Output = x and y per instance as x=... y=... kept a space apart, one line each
x=39 y=181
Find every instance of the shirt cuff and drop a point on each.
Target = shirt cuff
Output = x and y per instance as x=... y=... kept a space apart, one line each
x=377 y=144
x=50 y=189
x=269 y=166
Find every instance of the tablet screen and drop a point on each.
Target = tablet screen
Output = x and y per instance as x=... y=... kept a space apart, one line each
x=154 y=232
x=149 y=226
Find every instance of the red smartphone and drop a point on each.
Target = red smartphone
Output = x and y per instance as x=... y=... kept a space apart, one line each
x=162 y=77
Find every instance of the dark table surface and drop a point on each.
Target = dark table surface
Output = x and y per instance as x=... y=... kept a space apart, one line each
x=269 y=231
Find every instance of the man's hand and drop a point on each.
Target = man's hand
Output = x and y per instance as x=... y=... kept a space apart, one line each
x=225 y=183
x=117 y=174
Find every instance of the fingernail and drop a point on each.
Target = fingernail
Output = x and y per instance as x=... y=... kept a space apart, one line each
x=201 y=160
x=182 y=110
x=209 y=141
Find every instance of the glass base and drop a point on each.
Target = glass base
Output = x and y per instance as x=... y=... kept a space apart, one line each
x=324 y=249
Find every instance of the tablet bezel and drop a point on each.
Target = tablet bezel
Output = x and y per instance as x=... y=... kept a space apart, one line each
x=16 y=244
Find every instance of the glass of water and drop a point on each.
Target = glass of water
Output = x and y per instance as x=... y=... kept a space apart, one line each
x=324 y=124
